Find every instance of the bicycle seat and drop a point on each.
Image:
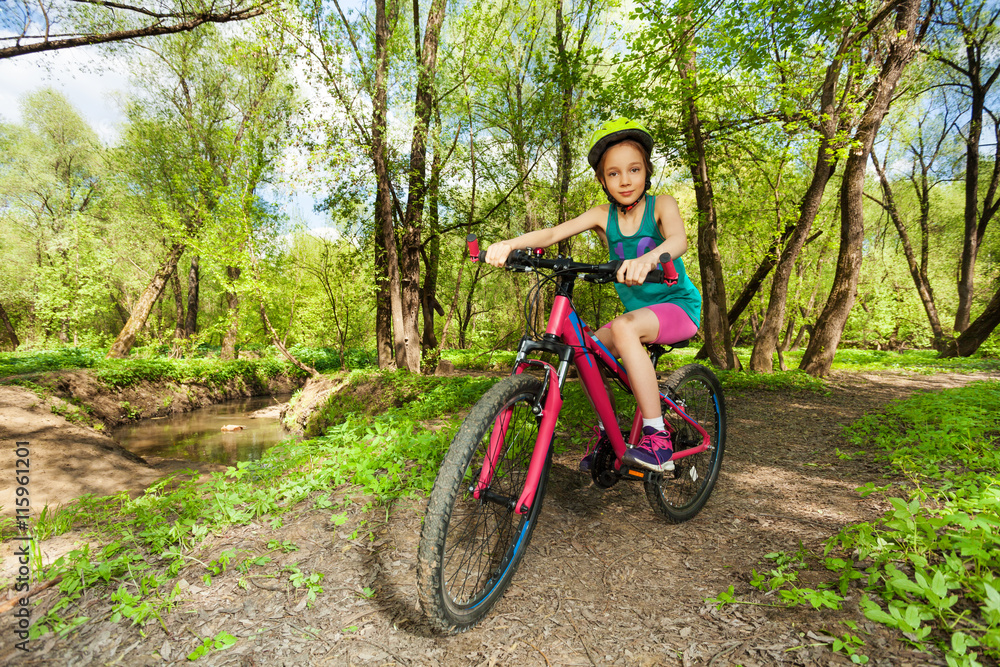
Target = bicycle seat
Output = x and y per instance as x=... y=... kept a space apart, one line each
x=660 y=350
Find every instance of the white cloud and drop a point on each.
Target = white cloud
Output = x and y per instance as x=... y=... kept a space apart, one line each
x=93 y=82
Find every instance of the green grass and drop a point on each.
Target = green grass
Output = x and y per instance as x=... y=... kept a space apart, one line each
x=120 y=373
x=794 y=380
x=921 y=361
x=40 y=361
x=480 y=360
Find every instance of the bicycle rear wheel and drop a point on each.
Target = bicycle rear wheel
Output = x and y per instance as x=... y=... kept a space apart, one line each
x=680 y=494
x=469 y=547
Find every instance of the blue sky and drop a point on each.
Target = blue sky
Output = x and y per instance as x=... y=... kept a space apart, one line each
x=96 y=85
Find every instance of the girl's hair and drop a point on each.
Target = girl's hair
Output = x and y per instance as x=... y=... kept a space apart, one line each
x=599 y=167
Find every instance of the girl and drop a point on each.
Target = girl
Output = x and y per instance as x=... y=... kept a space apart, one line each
x=637 y=228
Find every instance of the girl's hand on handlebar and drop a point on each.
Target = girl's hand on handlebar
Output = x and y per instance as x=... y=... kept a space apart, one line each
x=497 y=253
x=633 y=271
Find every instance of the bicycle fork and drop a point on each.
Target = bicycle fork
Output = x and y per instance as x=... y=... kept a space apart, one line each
x=549 y=407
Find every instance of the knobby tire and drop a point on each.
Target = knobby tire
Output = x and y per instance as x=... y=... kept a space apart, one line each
x=681 y=493
x=470 y=549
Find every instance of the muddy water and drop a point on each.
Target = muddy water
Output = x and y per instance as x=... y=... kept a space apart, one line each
x=198 y=435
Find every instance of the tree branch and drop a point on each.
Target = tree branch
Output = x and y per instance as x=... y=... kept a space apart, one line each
x=190 y=22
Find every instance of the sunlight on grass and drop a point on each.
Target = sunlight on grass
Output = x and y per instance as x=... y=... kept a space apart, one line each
x=929 y=567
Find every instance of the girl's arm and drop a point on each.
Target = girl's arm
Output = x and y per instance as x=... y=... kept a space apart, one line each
x=497 y=253
x=668 y=216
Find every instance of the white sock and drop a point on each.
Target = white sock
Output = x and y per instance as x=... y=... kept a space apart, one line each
x=656 y=423
x=600 y=424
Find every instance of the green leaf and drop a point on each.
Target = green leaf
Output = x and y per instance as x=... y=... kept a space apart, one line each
x=938 y=585
x=204 y=648
x=224 y=640
x=874 y=613
x=900 y=506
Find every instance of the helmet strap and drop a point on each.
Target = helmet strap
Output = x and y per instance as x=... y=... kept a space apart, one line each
x=629 y=207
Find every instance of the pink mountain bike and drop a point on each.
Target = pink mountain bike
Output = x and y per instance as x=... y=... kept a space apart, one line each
x=488 y=493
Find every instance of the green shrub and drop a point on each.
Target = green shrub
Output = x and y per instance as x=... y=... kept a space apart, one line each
x=40 y=361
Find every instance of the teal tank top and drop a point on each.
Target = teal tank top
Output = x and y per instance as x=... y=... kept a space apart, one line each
x=648 y=236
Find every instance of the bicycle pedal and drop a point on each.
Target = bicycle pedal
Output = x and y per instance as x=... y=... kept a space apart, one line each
x=634 y=473
x=642 y=474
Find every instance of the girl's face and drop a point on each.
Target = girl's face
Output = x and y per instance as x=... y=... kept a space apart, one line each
x=624 y=172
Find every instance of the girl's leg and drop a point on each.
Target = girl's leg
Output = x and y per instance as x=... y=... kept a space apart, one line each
x=624 y=336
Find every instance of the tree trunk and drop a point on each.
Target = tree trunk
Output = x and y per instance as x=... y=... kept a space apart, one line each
x=191 y=321
x=566 y=74
x=281 y=347
x=830 y=123
x=384 y=26
x=520 y=151
x=903 y=44
x=233 y=315
x=432 y=258
x=976 y=23
x=715 y=320
x=766 y=343
x=126 y=338
x=383 y=305
x=9 y=328
x=454 y=306
x=175 y=284
x=977 y=332
x=789 y=332
x=970 y=245
x=176 y=351
x=917 y=272
x=423 y=107
x=464 y=322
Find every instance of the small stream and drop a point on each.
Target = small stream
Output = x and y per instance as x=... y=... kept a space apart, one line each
x=198 y=435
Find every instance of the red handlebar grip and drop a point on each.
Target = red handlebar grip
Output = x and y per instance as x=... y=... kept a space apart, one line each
x=473 y=244
x=669 y=272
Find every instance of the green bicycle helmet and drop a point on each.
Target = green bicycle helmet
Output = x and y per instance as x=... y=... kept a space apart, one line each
x=612 y=132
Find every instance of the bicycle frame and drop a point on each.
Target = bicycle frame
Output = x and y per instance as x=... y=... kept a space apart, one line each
x=572 y=341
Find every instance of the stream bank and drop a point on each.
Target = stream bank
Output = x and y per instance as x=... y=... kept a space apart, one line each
x=65 y=417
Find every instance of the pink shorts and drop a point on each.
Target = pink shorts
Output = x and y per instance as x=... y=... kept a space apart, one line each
x=675 y=324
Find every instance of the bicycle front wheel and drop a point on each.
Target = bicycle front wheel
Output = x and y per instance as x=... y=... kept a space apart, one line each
x=679 y=495
x=469 y=547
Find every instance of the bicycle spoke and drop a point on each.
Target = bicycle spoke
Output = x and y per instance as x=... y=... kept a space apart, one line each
x=680 y=494
x=483 y=532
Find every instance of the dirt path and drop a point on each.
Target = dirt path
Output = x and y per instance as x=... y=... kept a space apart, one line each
x=603 y=583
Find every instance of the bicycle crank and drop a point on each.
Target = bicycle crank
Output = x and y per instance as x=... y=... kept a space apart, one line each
x=602 y=471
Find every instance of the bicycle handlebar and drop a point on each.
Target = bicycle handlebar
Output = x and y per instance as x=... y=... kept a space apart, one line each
x=519 y=260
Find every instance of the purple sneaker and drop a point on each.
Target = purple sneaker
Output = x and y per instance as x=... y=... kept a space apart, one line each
x=587 y=462
x=652 y=453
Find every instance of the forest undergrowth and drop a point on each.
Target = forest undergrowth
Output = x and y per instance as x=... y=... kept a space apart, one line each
x=928 y=566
